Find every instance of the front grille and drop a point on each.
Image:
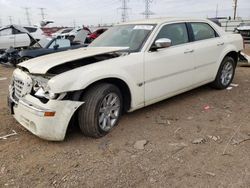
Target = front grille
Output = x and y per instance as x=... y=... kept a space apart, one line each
x=21 y=85
x=18 y=89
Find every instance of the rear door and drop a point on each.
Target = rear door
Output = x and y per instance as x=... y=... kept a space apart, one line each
x=169 y=70
x=6 y=38
x=208 y=46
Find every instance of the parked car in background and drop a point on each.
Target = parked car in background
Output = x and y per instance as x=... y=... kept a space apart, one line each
x=48 y=46
x=36 y=32
x=95 y=34
x=130 y=66
x=15 y=36
x=72 y=33
x=62 y=33
x=43 y=47
x=244 y=30
x=48 y=31
x=244 y=27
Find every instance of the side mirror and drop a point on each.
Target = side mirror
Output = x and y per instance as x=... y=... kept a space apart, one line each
x=56 y=46
x=162 y=43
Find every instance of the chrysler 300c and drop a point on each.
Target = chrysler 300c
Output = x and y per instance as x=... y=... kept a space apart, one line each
x=130 y=66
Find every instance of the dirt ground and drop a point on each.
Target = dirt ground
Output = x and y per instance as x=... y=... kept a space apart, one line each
x=218 y=119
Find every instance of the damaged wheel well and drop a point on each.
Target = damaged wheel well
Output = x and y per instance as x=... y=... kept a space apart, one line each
x=123 y=87
x=233 y=55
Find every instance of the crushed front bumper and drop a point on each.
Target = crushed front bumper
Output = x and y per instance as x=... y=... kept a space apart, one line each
x=48 y=121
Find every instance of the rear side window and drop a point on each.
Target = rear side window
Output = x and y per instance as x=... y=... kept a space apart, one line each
x=177 y=33
x=15 y=32
x=203 y=31
x=31 y=29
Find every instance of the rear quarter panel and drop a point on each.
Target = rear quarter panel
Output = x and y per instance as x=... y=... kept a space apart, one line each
x=232 y=43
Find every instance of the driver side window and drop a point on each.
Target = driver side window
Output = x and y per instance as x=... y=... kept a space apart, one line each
x=177 y=33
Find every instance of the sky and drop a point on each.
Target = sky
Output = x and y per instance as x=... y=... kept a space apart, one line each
x=93 y=12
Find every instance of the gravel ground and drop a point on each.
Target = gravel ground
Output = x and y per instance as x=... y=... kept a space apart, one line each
x=185 y=141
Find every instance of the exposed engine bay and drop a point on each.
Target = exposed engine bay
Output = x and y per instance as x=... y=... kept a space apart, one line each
x=82 y=62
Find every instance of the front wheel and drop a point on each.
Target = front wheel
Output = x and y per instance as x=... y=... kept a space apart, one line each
x=225 y=73
x=101 y=110
x=24 y=59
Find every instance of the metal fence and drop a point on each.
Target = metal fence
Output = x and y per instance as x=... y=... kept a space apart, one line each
x=231 y=25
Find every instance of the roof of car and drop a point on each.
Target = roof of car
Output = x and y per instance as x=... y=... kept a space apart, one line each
x=20 y=28
x=161 y=20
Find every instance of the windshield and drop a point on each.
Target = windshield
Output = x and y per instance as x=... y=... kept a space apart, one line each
x=131 y=36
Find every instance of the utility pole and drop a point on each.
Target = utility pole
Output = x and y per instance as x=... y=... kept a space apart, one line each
x=147 y=11
x=235 y=7
x=216 y=13
x=124 y=8
x=27 y=15
x=42 y=13
x=0 y=22
x=10 y=20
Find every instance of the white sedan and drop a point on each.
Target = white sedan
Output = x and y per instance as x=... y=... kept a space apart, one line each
x=130 y=66
x=14 y=36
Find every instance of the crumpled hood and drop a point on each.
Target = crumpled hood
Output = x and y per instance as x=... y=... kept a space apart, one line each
x=41 y=65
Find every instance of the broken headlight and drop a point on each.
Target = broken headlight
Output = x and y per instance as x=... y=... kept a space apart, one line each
x=42 y=90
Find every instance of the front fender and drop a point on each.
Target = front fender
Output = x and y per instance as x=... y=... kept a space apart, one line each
x=128 y=69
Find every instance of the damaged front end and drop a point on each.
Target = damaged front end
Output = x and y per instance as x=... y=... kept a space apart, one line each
x=83 y=62
x=40 y=89
x=35 y=107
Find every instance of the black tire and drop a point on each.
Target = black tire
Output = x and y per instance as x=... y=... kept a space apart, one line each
x=218 y=82
x=88 y=115
x=24 y=59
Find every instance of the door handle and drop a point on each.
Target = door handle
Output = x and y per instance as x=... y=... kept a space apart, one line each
x=220 y=43
x=188 y=51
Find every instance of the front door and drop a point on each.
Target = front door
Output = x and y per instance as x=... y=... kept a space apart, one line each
x=169 y=71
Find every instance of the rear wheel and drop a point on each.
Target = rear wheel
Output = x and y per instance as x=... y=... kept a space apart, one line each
x=225 y=73
x=101 y=110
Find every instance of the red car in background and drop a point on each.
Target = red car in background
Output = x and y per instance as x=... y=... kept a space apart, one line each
x=95 y=34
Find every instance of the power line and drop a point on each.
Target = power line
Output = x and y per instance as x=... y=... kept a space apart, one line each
x=42 y=13
x=124 y=8
x=147 y=11
x=216 y=12
x=27 y=15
